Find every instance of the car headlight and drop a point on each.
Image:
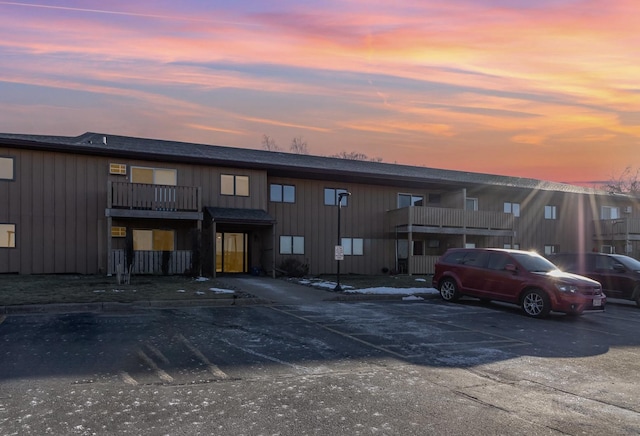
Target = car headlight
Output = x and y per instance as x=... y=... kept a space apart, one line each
x=565 y=287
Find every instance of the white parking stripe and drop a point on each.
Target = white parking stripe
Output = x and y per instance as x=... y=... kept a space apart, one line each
x=213 y=369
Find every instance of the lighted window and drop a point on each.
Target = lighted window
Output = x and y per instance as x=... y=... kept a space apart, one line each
x=282 y=193
x=116 y=168
x=331 y=196
x=513 y=208
x=550 y=213
x=234 y=185
x=7 y=168
x=154 y=176
x=291 y=244
x=153 y=240
x=7 y=235
x=353 y=246
x=118 y=232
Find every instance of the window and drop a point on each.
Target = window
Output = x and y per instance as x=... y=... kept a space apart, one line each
x=471 y=204
x=550 y=213
x=406 y=200
x=283 y=193
x=509 y=246
x=331 y=196
x=550 y=249
x=609 y=213
x=513 y=208
x=234 y=185
x=116 y=168
x=154 y=176
x=7 y=235
x=118 y=232
x=418 y=248
x=291 y=244
x=353 y=246
x=7 y=171
x=153 y=240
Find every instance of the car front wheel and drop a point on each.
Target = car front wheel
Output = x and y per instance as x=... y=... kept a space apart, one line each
x=449 y=290
x=535 y=303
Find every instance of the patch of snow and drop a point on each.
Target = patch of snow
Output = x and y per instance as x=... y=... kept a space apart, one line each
x=222 y=291
x=421 y=280
x=201 y=279
x=394 y=291
x=99 y=290
x=412 y=298
x=182 y=291
x=199 y=293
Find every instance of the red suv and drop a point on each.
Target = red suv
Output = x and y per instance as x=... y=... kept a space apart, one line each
x=521 y=277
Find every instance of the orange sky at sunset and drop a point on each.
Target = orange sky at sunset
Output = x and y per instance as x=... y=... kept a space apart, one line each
x=546 y=89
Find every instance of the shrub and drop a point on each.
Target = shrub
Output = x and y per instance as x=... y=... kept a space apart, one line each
x=294 y=268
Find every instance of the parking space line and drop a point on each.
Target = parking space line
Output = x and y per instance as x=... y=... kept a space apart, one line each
x=213 y=369
x=151 y=364
x=128 y=379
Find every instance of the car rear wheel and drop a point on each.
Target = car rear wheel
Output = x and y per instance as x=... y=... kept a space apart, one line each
x=535 y=303
x=636 y=294
x=449 y=290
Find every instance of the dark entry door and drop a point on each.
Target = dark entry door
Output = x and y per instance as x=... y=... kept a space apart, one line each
x=232 y=252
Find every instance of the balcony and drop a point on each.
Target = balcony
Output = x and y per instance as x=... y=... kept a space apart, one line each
x=141 y=200
x=451 y=221
x=620 y=229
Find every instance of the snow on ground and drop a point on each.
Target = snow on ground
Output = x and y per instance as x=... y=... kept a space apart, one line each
x=378 y=290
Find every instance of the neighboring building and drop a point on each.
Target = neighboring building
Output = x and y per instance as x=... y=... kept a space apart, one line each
x=87 y=204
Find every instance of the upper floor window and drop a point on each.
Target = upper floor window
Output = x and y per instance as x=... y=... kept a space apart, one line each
x=513 y=208
x=7 y=171
x=154 y=176
x=353 y=246
x=331 y=196
x=471 y=204
x=283 y=193
x=119 y=169
x=406 y=200
x=7 y=235
x=550 y=213
x=234 y=185
x=609 y=213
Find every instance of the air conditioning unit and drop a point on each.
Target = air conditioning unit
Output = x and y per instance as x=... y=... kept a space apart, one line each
x=627 y=209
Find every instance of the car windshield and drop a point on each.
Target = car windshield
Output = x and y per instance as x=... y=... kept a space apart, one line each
x=629 y=262
x=534 y=263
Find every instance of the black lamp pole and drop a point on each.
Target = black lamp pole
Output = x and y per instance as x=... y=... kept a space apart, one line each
x=340 y=196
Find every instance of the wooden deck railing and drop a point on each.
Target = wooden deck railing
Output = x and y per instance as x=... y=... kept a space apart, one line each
x=150 y=262
x=449 y=217
x=142 y=196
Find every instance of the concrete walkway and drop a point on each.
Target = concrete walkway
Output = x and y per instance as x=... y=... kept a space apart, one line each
x=277 y=291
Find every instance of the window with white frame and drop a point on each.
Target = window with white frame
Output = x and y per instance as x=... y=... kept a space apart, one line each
x=331 y=196
x=7 y=168
x=406 y=200
x=513 y=208
x=353 y=246
x=291 y=244
x=471 y=204
x=509 y=246
x=7 y=235
x=234 y=185
x=550 y=213
x=550 y=249
x=609 y=213
x=118 y=169
x=282 y=193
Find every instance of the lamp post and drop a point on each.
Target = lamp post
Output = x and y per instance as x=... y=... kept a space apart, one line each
x=341 y=195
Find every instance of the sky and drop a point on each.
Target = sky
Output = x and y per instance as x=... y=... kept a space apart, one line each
x=546 y=89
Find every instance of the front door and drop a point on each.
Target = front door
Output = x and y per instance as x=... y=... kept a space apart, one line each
x=232 y=252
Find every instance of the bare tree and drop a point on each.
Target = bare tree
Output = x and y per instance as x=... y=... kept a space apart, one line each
x=269 y=144
x=299 y=146
x=354 y=155
x=628 y=182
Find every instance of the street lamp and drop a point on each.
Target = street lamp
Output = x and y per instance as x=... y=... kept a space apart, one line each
x=341 y=195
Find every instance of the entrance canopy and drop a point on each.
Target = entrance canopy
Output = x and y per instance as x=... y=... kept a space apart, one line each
x=225 y=215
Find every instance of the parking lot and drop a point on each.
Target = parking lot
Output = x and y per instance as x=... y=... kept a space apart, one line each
x=387 y=367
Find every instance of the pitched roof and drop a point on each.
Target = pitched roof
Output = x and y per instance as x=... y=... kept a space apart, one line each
x=276 y=163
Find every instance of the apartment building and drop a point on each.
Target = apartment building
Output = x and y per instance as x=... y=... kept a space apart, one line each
x=96 y=203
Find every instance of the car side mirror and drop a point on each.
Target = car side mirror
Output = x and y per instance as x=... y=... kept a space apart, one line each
x=511 y=268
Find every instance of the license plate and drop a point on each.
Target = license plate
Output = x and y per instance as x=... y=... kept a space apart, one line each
x=597 y=302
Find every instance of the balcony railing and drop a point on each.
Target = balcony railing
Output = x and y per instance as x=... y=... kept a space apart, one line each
x=142 y=196
x=617 y=229
x=450 y=218
x=150 y=262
